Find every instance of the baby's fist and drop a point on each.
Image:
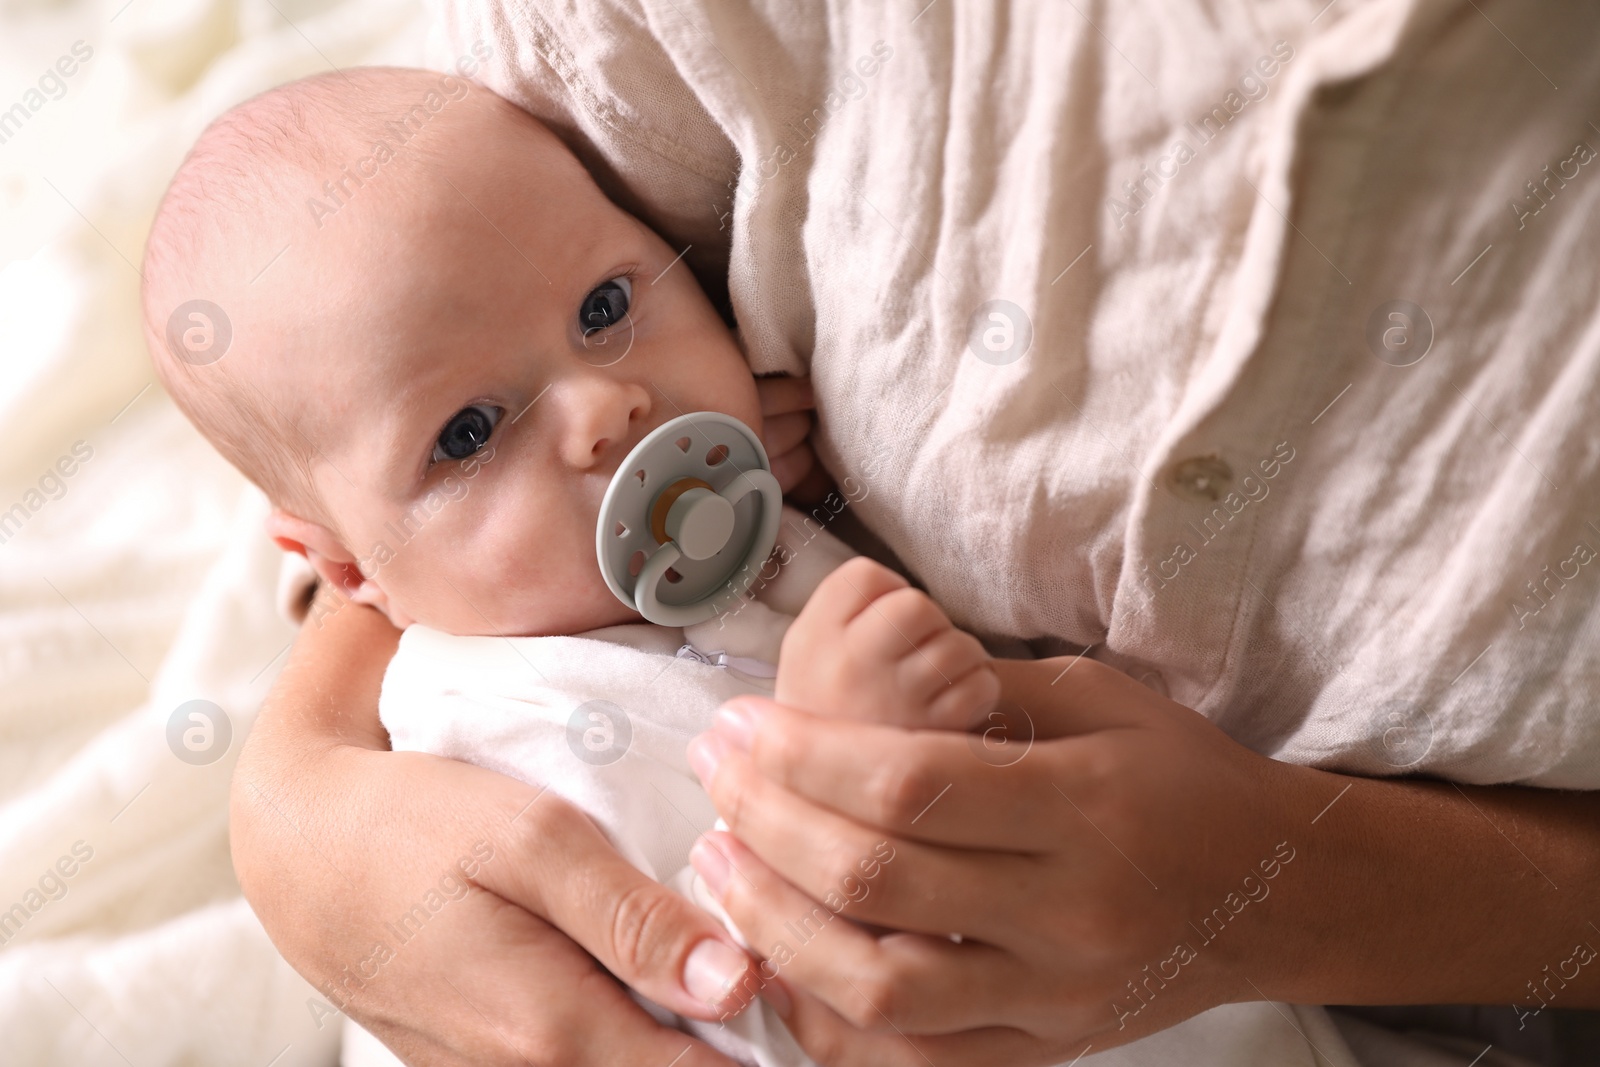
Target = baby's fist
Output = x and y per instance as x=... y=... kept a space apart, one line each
x=868 y=646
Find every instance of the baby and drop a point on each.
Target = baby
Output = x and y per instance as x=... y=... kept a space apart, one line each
x=404 y=309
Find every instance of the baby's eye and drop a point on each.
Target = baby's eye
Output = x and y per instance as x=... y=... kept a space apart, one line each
x=605 y=306
x=467 y=431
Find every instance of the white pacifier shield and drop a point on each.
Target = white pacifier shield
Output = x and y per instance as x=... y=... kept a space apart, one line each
x=688 y=519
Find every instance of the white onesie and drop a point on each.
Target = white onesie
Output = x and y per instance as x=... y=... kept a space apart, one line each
x=603 y=719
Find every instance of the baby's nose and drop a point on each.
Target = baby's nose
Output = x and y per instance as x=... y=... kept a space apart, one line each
x=603 y=414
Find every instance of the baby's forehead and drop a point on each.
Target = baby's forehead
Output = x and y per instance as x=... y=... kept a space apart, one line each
x=345 y=210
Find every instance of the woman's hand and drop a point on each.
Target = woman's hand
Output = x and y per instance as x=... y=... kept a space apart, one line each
x=1081 y=869
x=427 y=898
x=787 y=406
x=1130 y=867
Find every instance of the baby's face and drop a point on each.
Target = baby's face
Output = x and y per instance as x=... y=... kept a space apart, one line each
x=471 y=363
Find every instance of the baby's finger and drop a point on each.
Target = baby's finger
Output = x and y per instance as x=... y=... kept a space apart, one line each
x=847 y=592
x=793 y=467
x=967 y=704
x=896 y=625
x=814 y=486
x=783 y=394
x=781 y=433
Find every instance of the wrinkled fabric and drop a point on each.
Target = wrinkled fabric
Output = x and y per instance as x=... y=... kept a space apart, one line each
x=1287 y=410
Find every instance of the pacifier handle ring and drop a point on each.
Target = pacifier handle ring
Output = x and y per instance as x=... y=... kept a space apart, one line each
x=654 y=571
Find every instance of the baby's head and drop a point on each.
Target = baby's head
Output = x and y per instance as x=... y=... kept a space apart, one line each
x=444 y=340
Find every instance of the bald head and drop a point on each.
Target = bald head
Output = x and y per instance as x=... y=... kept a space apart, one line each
x=261 y=243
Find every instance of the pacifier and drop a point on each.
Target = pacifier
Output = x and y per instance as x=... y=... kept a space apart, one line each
x=688 y=519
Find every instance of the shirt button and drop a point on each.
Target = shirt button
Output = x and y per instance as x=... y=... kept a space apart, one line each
x=1201 y=477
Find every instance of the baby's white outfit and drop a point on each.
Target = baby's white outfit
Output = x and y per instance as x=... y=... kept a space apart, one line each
x=603 y=719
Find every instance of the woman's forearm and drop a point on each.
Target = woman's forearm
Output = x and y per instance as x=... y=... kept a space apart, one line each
x=323 y=710
x=343 y=847
x=328 y=691
x=1410 y=891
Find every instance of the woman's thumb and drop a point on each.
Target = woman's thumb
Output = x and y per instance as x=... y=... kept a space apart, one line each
x=649 y=936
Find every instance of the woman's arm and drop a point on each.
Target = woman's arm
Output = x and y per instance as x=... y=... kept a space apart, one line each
x=1122 y=866
x=358 y=861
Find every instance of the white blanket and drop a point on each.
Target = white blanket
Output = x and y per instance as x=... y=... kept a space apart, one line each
x=135 y=577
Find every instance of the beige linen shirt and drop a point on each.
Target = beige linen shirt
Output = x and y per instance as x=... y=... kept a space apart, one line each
x=1289 y=401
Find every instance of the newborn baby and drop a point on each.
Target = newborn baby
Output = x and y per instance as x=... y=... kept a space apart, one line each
x=404 y=309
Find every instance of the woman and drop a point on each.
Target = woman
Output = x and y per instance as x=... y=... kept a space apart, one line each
x=1111 y=315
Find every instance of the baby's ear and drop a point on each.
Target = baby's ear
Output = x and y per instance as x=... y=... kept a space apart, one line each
x=318 y=544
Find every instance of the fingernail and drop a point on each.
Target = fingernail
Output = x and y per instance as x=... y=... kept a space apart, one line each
x=705 y=752
x=713 y=969
x=775 y=994
x=737 y=724
x=708 y=859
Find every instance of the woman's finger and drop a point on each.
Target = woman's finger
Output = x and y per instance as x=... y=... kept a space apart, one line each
x=827 y=1037
x=511 y=1014
x=783 y=394
x=822 y=853
x=909 y=982
x=933 y=786
x=560 y=866
x=1067 y=696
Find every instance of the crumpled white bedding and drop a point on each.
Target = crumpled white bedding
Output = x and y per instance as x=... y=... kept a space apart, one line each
x=134 y=574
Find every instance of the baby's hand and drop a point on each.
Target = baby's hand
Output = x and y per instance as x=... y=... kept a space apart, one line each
x=868 y=646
